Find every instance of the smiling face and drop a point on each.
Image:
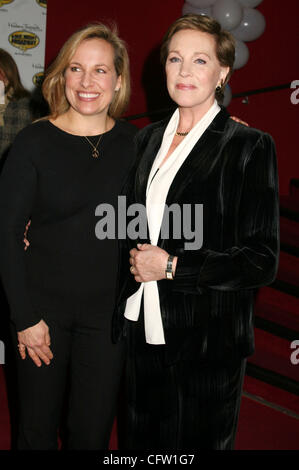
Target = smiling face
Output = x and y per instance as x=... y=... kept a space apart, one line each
x=193 y=70
x=90 y=79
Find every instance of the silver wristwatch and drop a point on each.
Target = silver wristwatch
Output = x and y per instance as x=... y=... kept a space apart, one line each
x=168 y=270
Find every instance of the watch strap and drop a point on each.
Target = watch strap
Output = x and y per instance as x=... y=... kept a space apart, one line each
x=168 y=270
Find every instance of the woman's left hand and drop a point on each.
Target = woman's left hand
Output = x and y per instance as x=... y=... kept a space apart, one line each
x=148 y=263
x=234 y=118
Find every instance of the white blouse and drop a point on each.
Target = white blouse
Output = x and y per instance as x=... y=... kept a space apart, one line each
x=159 y=182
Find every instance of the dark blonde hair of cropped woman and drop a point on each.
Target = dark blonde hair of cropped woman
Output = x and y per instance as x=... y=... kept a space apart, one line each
x=224 y=41
x=54 y=83
x=11 y=72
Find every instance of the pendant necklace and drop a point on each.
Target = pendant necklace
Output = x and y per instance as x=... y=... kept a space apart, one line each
x=95 y=152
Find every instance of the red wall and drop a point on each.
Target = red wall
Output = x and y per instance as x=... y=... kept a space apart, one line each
x=273 y=61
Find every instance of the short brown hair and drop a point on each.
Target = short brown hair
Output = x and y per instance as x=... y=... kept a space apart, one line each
x=53 y=85
x=11 y=72
x=225 y=43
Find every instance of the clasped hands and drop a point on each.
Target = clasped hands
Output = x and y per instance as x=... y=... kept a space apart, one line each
x=37 y=341
x=148 y=262
x=36 y=338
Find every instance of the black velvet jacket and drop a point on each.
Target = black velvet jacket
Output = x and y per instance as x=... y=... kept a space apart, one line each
x=207 y=310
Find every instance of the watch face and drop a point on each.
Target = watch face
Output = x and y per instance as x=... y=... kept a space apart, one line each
x=169 y=275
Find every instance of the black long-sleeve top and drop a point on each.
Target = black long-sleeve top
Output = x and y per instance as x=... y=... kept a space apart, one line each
x=51 y=178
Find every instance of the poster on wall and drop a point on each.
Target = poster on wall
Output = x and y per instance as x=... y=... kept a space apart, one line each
x=23 y=35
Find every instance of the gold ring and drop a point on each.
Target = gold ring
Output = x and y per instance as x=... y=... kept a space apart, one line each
x=131 y=269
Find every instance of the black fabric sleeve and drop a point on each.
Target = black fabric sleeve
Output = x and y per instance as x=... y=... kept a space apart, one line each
x=253 y=261
x=17 y=190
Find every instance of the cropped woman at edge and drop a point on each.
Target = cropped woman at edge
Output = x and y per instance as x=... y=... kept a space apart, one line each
x=15 y=110
x=61 y=290
x=186 y=310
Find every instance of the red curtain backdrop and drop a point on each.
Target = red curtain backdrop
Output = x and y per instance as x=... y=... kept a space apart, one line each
x=273 y=61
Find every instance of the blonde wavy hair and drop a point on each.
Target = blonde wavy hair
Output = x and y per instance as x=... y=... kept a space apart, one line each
x=53 y=87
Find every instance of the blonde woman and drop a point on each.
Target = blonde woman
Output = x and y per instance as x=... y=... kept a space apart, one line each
x=61 y=290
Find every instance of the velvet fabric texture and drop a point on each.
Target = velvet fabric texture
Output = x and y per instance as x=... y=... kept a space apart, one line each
x=208 y=309
x=186 y=405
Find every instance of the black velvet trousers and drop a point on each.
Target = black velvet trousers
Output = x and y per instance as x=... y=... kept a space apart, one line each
x=186 y=405
x=86 y=365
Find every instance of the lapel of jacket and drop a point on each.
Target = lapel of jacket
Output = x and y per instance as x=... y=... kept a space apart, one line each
x=201 y=158
x=147 y=156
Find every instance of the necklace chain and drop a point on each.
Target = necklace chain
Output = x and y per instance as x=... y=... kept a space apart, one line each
x=95 y=152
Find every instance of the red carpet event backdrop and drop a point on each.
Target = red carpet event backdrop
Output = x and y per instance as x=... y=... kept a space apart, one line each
x=264 y=91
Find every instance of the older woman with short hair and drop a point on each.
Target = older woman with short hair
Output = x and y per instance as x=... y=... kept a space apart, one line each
x=187 y=308
x=61 y=290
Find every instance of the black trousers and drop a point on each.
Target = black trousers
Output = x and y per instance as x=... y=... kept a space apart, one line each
x=86 y=359
x=190 y=404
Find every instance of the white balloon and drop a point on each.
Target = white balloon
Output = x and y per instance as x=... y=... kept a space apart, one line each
x=201 y=3
x=241 y=54
x=227 y=95
x=187 y=8
x=228 y=12
x=251 y=27
x=250 y=3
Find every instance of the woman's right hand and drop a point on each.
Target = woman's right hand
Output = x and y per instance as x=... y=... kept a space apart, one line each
x=25 y=236
x=37 y=341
